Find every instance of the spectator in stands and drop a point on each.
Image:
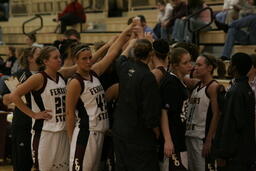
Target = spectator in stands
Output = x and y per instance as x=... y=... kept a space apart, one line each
x=17 y=65
x=4 y=10
x=6 y=70
x=141 y=26
x=143 y=21
x=165 y=10
x=236 y=32
x=72 y=14
x=235 y=137
x=72 y=34
x=10 y=61
x=179 y=11
x=230 y=10
x=181 y=31
x=31 y=40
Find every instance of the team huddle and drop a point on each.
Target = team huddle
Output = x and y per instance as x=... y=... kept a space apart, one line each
x=165 y=107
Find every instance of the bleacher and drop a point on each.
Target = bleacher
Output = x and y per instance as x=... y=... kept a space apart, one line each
x=98 y=27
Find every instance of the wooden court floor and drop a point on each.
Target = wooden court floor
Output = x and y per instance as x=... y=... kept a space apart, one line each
x=6 y=168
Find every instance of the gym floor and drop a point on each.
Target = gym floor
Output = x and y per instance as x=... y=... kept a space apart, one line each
x=6 y=168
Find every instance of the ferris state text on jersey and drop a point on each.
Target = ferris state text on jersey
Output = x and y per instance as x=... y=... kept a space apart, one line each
x=101 y=102
x=59 y=95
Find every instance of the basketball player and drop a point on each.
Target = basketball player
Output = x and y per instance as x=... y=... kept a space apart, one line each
x=174 y=95
x=86 y=104
x=21 y=123
x=50 y=147
x=203 y=114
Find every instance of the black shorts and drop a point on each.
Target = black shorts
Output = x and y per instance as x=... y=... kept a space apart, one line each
x=21 y=150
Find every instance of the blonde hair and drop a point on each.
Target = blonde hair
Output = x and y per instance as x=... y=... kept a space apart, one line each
x=45 y=54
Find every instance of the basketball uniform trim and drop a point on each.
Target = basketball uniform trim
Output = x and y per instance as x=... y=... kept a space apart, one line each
x=81 y=142
x=207 y=86
x=81 y=81
x=35 y=148
x=38 y=100
x=44 y=83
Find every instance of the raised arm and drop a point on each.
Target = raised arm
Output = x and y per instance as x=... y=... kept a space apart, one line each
x=33 y=83
x=113 y=52
x=72 y=96
x=103 y=50
x=112 y=92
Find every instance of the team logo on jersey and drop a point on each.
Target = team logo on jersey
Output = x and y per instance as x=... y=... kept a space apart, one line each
x=96 y=89
x=194 y=100
x=175 y=160
x=167 y=106
x=130 y=72
x=77 y=165
x=184 y=111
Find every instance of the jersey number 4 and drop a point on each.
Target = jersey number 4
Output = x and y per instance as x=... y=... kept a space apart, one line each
x=101 y=102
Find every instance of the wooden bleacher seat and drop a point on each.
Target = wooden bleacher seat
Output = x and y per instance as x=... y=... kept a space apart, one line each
x=214 y=2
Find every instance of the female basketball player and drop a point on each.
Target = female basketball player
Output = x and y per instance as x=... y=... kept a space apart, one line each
x=174 y=95
x=203 y=115
x=86 y=104
x=50 y=147
x=21 y=123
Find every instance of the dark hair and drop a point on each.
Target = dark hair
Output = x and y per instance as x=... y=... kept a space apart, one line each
x=142 y=18
x=27 y=52
x=12 y=50
x=195 y=3
x=210 y=60
x=45 y=54
x=162 y=2
x=241 y=63
x=72 y=32
x=66 y=47
x=129 y=21
x=161 y=48
x=80 y=48
x=32 y=37
x=142 y=48
x=175 y=55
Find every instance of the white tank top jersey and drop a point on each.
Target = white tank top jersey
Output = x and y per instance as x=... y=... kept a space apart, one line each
x=50 y=97
x=197 y=113
x=94 y=104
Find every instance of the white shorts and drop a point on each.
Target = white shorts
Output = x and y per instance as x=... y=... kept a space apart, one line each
x=196 y=162
x=50 y=151
x=85 y=150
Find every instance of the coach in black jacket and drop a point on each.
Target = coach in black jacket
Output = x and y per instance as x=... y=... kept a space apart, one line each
x=235 y=137
x=137 y=112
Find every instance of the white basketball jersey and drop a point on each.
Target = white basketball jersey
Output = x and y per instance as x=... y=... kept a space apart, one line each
x=50 y=97
x=197 y=113
x=94 y=103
